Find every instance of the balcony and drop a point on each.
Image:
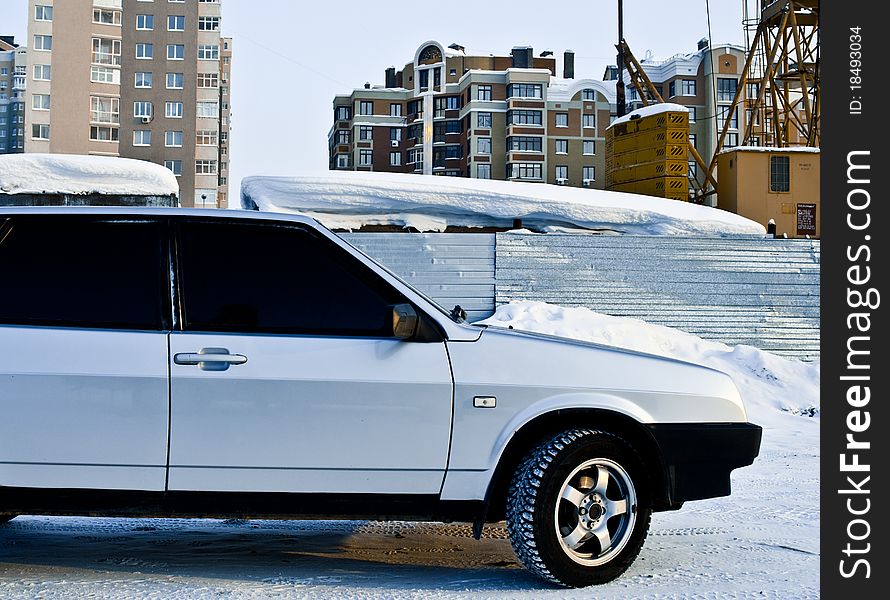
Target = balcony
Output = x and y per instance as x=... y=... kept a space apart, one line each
x=106 y=58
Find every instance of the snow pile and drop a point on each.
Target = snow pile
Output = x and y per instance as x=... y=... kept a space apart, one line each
x=75 y=174
x=648 y=111
x=771 y=386
x=791 y=149
x=350 y=200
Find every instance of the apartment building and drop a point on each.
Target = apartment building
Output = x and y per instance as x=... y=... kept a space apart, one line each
x=132 y=78
x=489 y=117
x=704 y=81
x=13 y=66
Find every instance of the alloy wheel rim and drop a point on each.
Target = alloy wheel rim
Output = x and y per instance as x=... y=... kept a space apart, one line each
x=595 y=512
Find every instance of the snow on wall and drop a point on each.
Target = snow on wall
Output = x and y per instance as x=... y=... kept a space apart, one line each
x=350 y=200
x=648 y=111
x=75 y=174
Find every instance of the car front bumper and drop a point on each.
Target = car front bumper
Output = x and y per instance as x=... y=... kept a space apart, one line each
x=699 y=457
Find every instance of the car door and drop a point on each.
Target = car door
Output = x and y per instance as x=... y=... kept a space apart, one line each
x=83 y=352
x=304 y=388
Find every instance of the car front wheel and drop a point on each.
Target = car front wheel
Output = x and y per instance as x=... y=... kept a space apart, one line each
x=578 y=508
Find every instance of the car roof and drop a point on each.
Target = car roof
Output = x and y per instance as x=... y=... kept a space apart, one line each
x=156 y=211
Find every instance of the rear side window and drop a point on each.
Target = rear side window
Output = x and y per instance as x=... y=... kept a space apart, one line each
x=278 y=279
x=69 y=271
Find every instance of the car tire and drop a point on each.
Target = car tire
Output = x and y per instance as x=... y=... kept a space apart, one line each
x=578 y=508
x=4 y=518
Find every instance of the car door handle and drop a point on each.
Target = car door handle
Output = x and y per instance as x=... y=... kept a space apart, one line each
x=210 y=359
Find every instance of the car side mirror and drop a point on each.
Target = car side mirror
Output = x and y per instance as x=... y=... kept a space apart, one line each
x=404 y=321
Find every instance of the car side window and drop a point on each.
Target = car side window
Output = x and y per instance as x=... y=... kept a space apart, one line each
x=71 y=271
x=268 y=278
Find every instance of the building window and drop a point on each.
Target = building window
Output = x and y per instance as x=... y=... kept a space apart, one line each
x=105 y=110
x=43 y=13
x=483 y=120
x=342 y=136
x=205 y=167
x=208 y=80
x=779 y=173
x=366 y=107
x=525 y=90
x=175 y=23
x=521 y=143
x=143 y=80
x=672 y=89
x=107 y=17
x=726 y=89
x=40 y=101
x=483 y=92
x=562 y=119
x=208 y=52
x=40 y=132
x=524 y=171
x=365 y=132
x=208 y=23
x=588 y=147
x=142 y=137
x=562 y=146
x=342 y=113
x=108 y=52
x=483 y=171
x=142 y=109
x=689 y=87
x=175 y=81
x=105 y=75
x=208 y=110
x=395 y=159
x=143 y=51
x=483 y=145
x=693 y=170
x=104 y=134
x=755 y=140
x=175 y=166
x=561 y=172
x=175 y=51
x=732 y=140
x=395 y=110
x=364 y=157
x=588 y=174
x=173 y=139
x=174 y=110
x=206 y=137
x=342 y=161
x=145 y=22
x=588 y=94
x=722 y=111
x=43 y=72
x=524 y=117
x=752 y=90
x=395 y=134
x=43 y=42
x=693 y=114
x=588 y=120
x=692 y=140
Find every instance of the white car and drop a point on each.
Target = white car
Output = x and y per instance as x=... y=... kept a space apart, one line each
x=177 y=362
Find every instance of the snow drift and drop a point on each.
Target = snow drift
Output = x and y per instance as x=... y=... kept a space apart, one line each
x=76 y=175
x=350 y=200
x=772 y=387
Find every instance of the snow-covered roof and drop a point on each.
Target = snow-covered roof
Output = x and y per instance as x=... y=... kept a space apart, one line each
x=794 y=149
x=564 y=89
x=76 y=174
x=648 y=111
x=350 y=200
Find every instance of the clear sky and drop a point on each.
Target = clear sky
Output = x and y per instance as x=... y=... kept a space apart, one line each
x=291 y=57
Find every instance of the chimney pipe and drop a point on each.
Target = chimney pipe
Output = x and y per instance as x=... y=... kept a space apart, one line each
x=390 y=79
x=568 y=65
x=522 y=57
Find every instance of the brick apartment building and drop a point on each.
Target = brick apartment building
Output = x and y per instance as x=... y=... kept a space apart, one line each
x=13 y=69
x=144 y=79
x=488 y=117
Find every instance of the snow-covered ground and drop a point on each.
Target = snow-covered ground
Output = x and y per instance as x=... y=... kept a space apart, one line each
x=761 y=542
x=76 y=174
x=350 y=200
